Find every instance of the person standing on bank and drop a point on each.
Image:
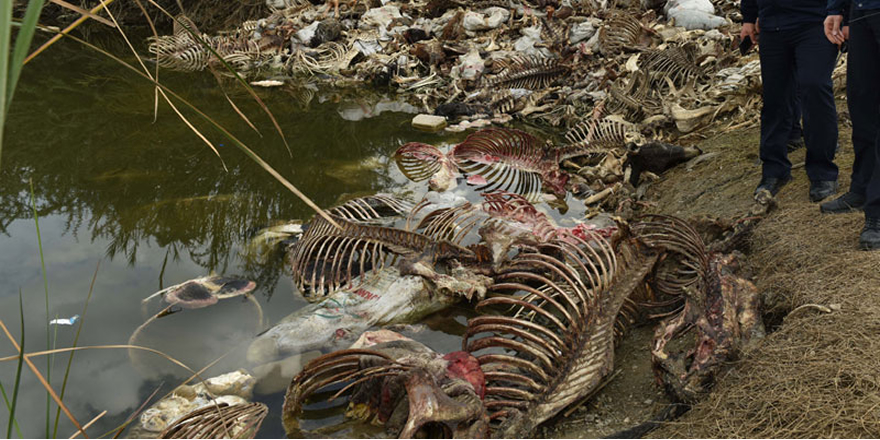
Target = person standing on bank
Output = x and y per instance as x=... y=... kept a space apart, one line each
x=794 y=54
x=863 y=99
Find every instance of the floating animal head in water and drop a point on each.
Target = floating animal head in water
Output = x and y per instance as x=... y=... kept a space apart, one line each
x=204 y=292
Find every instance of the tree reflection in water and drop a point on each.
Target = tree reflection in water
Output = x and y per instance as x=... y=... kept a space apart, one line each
x=82 y=130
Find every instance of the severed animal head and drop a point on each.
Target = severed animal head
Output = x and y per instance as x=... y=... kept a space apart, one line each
x=398 y=383
x=204 y=292
x=657 y=157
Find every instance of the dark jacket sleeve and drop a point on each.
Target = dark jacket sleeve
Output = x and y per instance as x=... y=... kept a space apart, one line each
x=835 y=7
x=749 y=9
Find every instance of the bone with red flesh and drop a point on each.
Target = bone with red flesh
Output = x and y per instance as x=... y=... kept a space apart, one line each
x=464 y=366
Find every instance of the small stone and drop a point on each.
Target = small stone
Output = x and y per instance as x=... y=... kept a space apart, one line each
x=649 y=402
x=429 y=122
x=626 y=420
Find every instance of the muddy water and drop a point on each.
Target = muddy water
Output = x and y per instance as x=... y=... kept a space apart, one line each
x=151 y=204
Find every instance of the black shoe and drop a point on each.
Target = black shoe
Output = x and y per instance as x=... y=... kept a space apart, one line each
x=772 y=184
x=795 y=144
x=822 y=189
x=848 y=202
x=870 y=238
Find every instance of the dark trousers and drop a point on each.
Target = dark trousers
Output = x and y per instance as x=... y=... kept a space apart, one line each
x=863 y=96
x=797 y=132
x=798 y=60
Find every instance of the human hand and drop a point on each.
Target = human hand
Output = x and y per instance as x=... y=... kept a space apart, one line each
x=749 y=30
x=832 y=29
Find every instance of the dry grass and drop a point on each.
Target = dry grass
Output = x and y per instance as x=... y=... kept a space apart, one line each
x=817 y=375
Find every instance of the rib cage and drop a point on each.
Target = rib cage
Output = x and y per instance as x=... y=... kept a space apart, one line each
x=679 y=64
x=507 y=159
x=555 y=32
x=327 y=259
x=618 y=34
x=498 y=209
x=634 y=101
x=510 y=160
x=599 y=137
x=676 y=236
x=184 y=52
x=418 y=161
x=331 y=369
x=220 y=421
x=528 y=72
x=553 y=343
x=368 y=209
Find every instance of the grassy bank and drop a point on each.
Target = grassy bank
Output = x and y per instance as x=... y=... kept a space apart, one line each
x=816 y=374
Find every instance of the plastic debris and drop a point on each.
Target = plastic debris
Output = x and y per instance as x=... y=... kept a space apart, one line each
x=65 y=321
x=386 y=298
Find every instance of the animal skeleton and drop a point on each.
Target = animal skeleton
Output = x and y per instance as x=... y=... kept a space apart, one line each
x=530 y=72
x=497 y=159
x=545 y=341
x=220 y=421
x=327 y=258
x=620 y=33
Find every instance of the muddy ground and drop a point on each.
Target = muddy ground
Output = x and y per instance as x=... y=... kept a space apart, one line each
x=815 y=374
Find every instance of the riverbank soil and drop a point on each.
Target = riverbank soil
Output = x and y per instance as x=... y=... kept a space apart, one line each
x=816 y=373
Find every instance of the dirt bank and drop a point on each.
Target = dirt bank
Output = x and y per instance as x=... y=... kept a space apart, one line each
x=815 y=375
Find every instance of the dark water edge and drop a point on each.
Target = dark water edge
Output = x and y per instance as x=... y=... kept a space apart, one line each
x=152 y=204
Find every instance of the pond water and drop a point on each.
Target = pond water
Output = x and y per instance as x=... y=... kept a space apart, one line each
x=153 y=206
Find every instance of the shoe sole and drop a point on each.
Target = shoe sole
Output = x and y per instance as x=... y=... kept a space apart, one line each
x=819 y=199
x=845 y=211
x=866 y=246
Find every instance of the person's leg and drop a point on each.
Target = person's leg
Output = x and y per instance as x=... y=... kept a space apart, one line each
x=777 y=74
x=863 y=95
x=815 y=60
x=870 y=237
x=796 y=136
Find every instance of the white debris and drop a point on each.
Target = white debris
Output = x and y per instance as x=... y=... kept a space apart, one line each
x=470 y=66
x=232 y=388
x=429 y=122
x=306 y=34
x=65 y=321
x=490 y=18
x=581 y=31
x=380 y=17
x=267 y=83
x=367 y=47
x=693 y=14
